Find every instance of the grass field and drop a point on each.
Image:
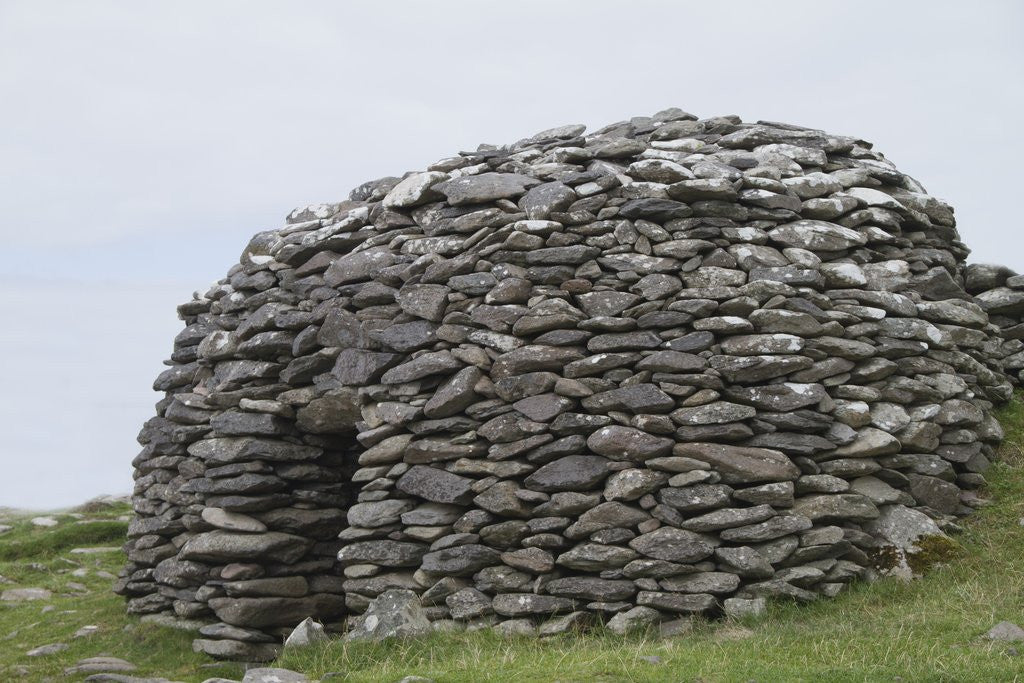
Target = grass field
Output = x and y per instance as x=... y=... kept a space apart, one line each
x=927 y=630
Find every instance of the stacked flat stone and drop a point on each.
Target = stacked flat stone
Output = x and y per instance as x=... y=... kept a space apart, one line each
x=1000 y=291
x=631 y=375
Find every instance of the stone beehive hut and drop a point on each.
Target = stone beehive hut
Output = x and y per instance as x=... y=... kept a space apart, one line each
x=638 y=374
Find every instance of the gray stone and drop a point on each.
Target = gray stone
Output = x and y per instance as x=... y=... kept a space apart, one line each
x=937 y=494
x=817 y=236
x=504 y=499
x=632 y=620
x=379 y=513
x=533 y=560
x=674 y=545
x=727 y=518
x=358 y=266
x=414 y=190
x=757 y=344
x=1005 y=631
x=781 y=398
x=636 y=398
x=543 y=407
x=462 y=560
x=242 y=449
x=46 y=650
x=25 y=594
x=383 y=552
x=591 y=588
x=395 y=613
x=522 y=604
x=92 y=665
x=870 y=442
x=686 y=603
x=742 y=608
x=308 y=632
x=631 y=484
x=425 y=301
x=776 y=527
x=433 y=363
x=627 y=443
x=224 y=546
x=838 y=507
x=468 y=603
x=273 y=675
x=485 y=187
x=703 y=582
x=902 y=527
x=745 y=562
x=741 y=465
x=267 y=611
x=697 y=497
x=232 y=521
x=595 y=557
x=359 y=367
x=541 y=200
x=436 y=485
x=718 y=412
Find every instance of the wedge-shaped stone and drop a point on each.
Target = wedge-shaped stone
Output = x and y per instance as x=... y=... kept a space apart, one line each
x=627 y=443
x=436 y=485
x=591 y=588
x=729 y=517
x=523 y=604
x=687 y=603
x=432 y=363
x=485 y=187
x=776 y=527
x=571 y=473
x=817 y=236
x=463 y=560
x=739 y=465
x=779 y=398
x=595 y=557
x=718 y=412
x=841 y=507
x=675 y=545
x=703 y=582
x=225 y=546
x=385 y=552
x=241 y=449
x=359 y=266
x=636 y=398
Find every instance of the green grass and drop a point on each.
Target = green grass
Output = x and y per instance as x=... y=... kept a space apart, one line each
x=40 y=557
x=28 y=546
x=927 y=630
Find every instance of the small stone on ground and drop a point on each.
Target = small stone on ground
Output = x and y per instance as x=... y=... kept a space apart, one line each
x=306 y=633
x=1005 y=631
x=272 y=675
x=44 y=650
x=86 y=631
x=22 y=594
x=99 y=665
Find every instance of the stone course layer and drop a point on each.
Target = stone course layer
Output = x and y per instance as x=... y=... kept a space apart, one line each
x=629 y=376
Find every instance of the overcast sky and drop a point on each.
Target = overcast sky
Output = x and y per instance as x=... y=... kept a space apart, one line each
x=143 y=143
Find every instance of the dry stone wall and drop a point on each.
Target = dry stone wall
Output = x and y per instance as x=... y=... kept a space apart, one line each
x=636 y=375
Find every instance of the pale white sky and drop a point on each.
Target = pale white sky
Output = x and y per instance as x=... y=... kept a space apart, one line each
x=143 y=143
